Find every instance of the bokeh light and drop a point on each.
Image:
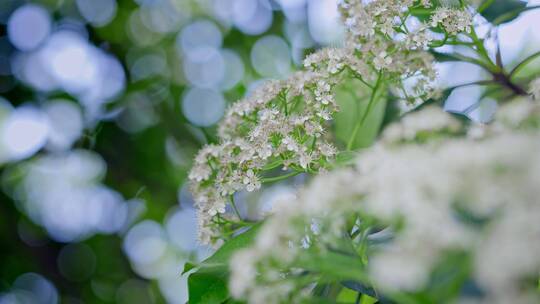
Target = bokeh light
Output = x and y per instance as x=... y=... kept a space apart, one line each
x=63 y=193
x=30 y=288
x=145 y=243
x=323 y=20
x=234 y=69
x=181 y=227
x=203 y=107
x=199 y=40
x=28 y=27
x=252 y=17
x=24 y=132
x=65 y=124
x=97 y=12
x=207 y=72
x=270 y=56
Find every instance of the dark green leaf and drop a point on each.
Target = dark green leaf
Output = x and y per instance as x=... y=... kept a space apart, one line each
x=207 y=288
x=188 y=266
x=366 y=290
x=502 y=11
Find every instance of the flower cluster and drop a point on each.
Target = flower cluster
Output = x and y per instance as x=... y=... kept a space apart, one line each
x=520 y=113
x=453 y=192
x=282 y=123
x=453 y=21
x=420 y=124
x=375 y=31
x=473 y=196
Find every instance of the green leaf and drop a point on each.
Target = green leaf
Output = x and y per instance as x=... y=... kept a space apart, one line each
x=233 y=301
x=347 y=296
x=368 y=300
x=188 y=266
x=223 y=254
x=334 y=265
x=344 y=158
x=353 y=98
x=209 y=283
x=502 y=11
x=207 y=288
x=443 y=57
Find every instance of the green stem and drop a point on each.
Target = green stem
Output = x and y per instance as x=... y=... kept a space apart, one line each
x=459 y=57
x=279 y=178
x=481 y=49
x=523 y=64
x=233 y=204
x=480 y=82
x=273 y=165
x=440 y=42
x=360 y=122
x=283 y=100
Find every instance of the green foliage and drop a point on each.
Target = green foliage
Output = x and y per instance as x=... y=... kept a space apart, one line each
x=353 y=98
x=502 y=11
x=209 y=287
x=208 y=284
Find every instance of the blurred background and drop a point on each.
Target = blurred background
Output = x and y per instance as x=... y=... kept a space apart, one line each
x=103 y=104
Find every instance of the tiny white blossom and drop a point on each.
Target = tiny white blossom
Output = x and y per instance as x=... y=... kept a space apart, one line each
x=251 y=181
x=453 y=21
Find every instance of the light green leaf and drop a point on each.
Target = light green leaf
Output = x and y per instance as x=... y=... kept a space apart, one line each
x=353 y=99
x=347 y=296
x=334 y=265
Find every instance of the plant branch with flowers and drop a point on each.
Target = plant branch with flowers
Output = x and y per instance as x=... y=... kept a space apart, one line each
x=382 y=226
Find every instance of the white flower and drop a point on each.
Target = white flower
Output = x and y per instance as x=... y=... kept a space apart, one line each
x=251 y=181
x=305 y=159
x=290 y=144
x=200 y=173
x=428 y=120
x=418 y=39
x=453 y=21
x=251 y=129
x=382 y=60
x=515 y=112
x=327 y=149
x=216 y=208
x=265 y=151
x=495 y=177
x=324 y=115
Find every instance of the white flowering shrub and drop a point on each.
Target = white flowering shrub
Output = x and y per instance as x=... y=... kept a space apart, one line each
x=432 y=212
x=470 y=199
